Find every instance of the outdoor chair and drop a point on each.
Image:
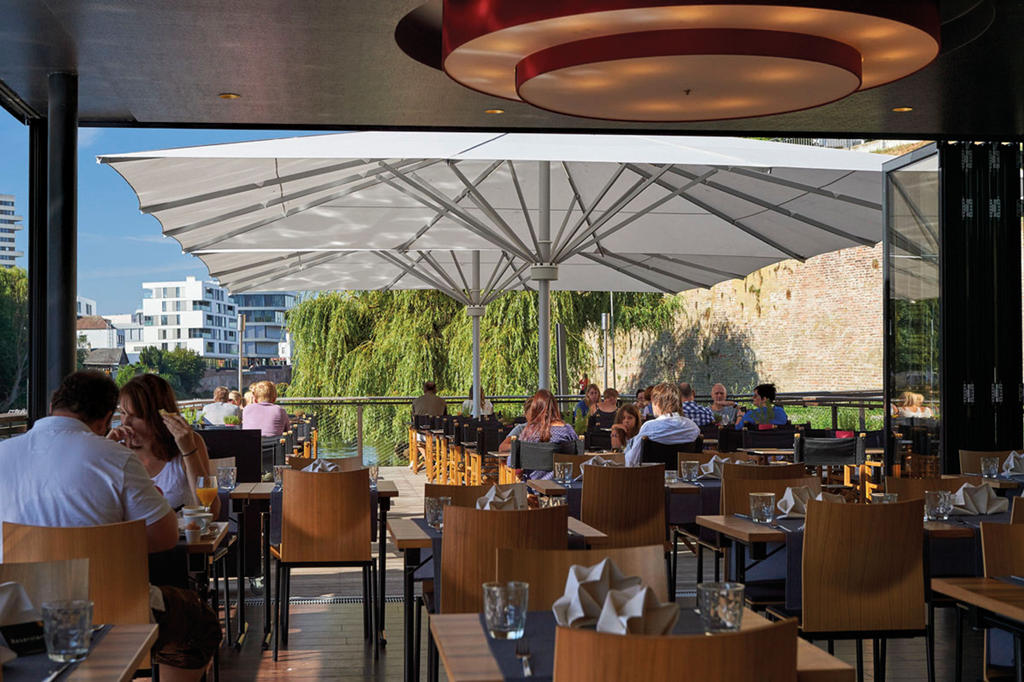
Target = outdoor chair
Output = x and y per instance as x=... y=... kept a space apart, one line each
x=540 y=456
x=325 y=522
x=863 y=577
x=653 y=452
x=970 y=460
x=626 y=503
x=773 y=438
x=761 y=654
x=829 y=452
x=600 y=420
x=597 y=439
x=914 y=488
x=245 y=445
x=59 y=579
x=578 y=460
x=461 y=495
x=1002 y=552
x=1017 y=511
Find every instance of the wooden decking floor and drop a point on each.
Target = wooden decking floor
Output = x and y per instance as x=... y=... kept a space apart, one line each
x=326 y=639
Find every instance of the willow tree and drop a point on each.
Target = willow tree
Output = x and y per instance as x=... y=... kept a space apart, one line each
x=388 y=343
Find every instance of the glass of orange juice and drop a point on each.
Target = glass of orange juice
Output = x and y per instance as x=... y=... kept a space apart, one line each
x=206 y=491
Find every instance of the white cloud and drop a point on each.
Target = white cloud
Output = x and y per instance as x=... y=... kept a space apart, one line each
x=87 y=136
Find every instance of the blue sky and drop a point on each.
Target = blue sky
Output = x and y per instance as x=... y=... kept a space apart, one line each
x=118 y=247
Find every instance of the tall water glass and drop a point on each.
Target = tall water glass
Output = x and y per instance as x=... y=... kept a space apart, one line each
x=227 y=477
x=374 y=474
x=989 y=467
x=279 y=475
x=505 y=606
x=433 y=510
x=563 y=472
x=762 y=507
x=67 y=629
x=689 y=470
x=937 y=505
x=720 y=606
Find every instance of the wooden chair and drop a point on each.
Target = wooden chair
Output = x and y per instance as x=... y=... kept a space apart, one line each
x=759 y=654
x=49 y=580
x=1002 y=552
x=118 y=567
x=471 y=537
x=763 y=472
x=736 y=491
x=1017 y=511
x=546 y=569
x=970 y=460
x=325 y=521
x=914 y=488
x=863 y=576
x=578 y=460
x=462 y=495
x=625 y=503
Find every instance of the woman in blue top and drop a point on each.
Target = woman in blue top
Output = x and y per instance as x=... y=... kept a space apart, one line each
x=765 y=411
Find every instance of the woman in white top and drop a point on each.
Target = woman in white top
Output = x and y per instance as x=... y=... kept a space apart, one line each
x=171 y=452
x=486 y=408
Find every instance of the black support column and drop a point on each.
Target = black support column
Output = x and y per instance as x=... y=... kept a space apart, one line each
x=62 y=228
x=981 y=298
x=37 y=268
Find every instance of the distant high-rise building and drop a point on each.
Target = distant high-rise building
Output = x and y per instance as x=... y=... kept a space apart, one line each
x=130 y=325
x=192 y=314
x=265 y=341
x=9 y=224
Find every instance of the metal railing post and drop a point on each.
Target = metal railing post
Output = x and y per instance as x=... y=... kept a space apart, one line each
x=359 y=431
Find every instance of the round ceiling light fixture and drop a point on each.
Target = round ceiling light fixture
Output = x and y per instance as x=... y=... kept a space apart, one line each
x=680 y=61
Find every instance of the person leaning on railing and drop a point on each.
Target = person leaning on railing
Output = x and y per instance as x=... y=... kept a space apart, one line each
x=429 y=404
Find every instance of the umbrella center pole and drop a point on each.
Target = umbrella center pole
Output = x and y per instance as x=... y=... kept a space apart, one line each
x=543 y=275
x=475 y=313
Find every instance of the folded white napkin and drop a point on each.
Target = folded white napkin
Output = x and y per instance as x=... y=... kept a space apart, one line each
x=15 y=606
x=1014 y=463
x=636 y=611
x=794 y=501
x=322 y=465
x=508 y=497
x=585 y=590
x=972 y=500
x=598 y=461
x=713 y=467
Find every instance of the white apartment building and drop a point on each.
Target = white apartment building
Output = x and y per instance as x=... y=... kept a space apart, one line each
x=265 y=340
x=129 y=325
x=98 y=332
x=194 y=314
x=85 y=307
x=9 y=224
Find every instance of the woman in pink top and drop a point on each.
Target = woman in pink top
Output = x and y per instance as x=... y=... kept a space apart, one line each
x=263 y=414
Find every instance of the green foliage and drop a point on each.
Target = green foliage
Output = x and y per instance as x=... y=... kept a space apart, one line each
x=282 y=389
x=181 y=368
x=232 y=420
x=82 y=352
x=13 y=338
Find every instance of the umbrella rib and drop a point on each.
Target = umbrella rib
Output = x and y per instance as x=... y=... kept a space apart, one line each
x=410 y=268
x=922 y=222
x=577 y=199
x=728 y=219
x=700 y=266
x=635 y=276
x=275 y=259
x=518 y=274
x=666 y=273
x=558 y=245
x=458 y=269
x=811 y=189
x=254 y=281
x=444 y=211
x=481 y=202
x=440 y=271
x=522 y=204
x=396 y=280
x=498 y=270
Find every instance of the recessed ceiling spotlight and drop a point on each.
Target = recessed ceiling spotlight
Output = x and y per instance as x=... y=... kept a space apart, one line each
x=494 y=111
x=902 y=110
x=229 y=95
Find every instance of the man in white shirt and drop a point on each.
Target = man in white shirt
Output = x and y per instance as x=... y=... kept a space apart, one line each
x=214 y=412
x=668 y=426
x=65 y=473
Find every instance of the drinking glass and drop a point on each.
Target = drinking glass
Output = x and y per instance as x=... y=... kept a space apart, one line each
x=884 y=498
x=937 y=505
x=670 y=476
x=433 y=510
x=720 y=606
x=278 y=475
x=67 y=629
x=563 y=472
x=690 y=470
x=762 y=507
x=989 y=467
x=227 y=477
x=206 y=491
x=505 y=606
x=374 y=473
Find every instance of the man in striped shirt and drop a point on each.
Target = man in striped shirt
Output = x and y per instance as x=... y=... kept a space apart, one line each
x=699 y=414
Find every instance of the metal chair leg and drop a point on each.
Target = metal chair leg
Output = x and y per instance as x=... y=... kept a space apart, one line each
x=286 y=599
x=876 y=658
x=700 y=563
x=831 y=647
x=277 y=605
x=959 y=657
x=860 y=660
x=929 y=643
x=417 y=636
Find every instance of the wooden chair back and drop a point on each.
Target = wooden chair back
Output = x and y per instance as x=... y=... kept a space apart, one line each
x=1002 y=549
x=118 y=566
x=970 y=460
x=325 y=516
x=471 y=537
x=914 y=488
x=763 y=472
x=1017 y=511
x=546 y=569
x=863 y=567
x=578 y=460
x=49 y=580
x=625 y=503
x=758 y=654
x=736 y=491
x=462 y=495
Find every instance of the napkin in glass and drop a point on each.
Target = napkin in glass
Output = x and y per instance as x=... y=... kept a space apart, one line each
x=1014 y=463
x=322 y=465
x=794 y=501
x=510 y=496
x=15 y=607
x=636 y=611
x=713 y=467
x=586 y=588
x=973 y=500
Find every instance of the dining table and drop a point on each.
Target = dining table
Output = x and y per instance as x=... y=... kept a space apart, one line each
x=469 y=655
x=989 y=603
x=117 y=652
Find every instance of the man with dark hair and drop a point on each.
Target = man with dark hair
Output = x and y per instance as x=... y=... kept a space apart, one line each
x=214 y=413
x=765 y=411
x=429 y=404
x=699 y=414
x=65 y=473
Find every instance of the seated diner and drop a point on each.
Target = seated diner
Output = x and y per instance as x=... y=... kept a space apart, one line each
x=543 y=425
x=668 y=426
x=261 y=413
x=765 y=411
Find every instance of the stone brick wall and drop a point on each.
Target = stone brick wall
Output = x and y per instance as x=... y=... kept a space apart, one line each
x=813 y=326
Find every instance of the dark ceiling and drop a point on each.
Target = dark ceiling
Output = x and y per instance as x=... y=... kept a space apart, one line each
x=335 y=64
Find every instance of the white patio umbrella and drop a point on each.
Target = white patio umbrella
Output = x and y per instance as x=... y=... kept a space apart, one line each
x=576 y=212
